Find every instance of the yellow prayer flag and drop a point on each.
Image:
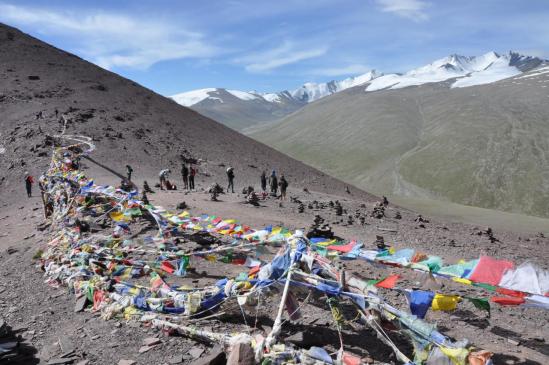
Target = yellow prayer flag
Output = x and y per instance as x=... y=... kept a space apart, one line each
x=443 y=302
x=462 y=281
x=457 y=356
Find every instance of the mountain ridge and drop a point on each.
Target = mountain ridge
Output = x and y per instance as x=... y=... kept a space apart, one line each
x=244 y=109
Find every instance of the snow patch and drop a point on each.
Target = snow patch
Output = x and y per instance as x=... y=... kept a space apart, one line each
x=194 y=97
x=242 y=95
x=538 y=72
x=272 y=97
x=498 y=70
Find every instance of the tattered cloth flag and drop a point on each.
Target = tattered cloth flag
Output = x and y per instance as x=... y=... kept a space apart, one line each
x=389 y=282
x=480 y=303
x=420 y=302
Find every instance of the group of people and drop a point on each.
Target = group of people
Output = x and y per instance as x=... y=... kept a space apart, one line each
x=188 y=173
x=274 y=184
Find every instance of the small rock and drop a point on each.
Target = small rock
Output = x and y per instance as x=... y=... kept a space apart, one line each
x=151 y=341
x=144 y=349
x=81 y=304
x=216 y=357
x=177 y=359
x=59 y=361
x=513 y=342
x=195 y=352
x=241 y=354
x=127 y=362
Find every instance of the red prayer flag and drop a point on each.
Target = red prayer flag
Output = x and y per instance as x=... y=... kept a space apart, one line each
x=343 y=248
x=167 y=267
x=507 y=300
x=389 y=282
x=254 y=270
x=511 y=293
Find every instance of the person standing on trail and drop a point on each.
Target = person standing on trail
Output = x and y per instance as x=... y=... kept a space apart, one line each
x=129 y=171
x=185 y=175
x=163 y=175
x=283 y=186
x=192 y=174
x=230 y=177
x=264 y=181
x=29 y=180
x=273 y=180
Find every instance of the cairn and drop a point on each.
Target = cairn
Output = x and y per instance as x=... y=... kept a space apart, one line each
x=320 y=229
x=301 y=208
x=385 y=201
x=379 y=211
x=147 y=188
x=380 y=242
x=338 y=208
x=214 y=190
x=252 y=199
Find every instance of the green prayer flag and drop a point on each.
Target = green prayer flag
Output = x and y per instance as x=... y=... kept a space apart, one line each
x=485 y=286
x=480 y=303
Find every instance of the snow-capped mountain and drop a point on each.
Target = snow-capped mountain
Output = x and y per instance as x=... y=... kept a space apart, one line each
x=307 y=93
x=311 y=91
x=467 y=71
x=241 y=109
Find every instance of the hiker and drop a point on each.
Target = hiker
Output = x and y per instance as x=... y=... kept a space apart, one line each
x=273 y=180
x=192 y=173
x=29 y=180
x=185 y=175
x=163 y=175
x=230 y=177
x=56 y=112
x=263 y=181
x=129 y=171
x=283 y=186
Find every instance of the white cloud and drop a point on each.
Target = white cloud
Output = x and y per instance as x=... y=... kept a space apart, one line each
x=354 y=69
x=411 y=9
x=112 y=40
x=283 y=55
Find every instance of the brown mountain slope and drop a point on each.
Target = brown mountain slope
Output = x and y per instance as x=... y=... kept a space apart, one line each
x=129 y=123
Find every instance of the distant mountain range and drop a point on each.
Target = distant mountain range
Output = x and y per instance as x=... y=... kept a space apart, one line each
x=242 y=109
x=449 y=131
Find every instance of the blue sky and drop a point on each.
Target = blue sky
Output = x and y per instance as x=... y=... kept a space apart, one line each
x=174 y=46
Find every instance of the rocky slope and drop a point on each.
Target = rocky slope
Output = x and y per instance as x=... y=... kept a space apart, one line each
x=40 y=85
